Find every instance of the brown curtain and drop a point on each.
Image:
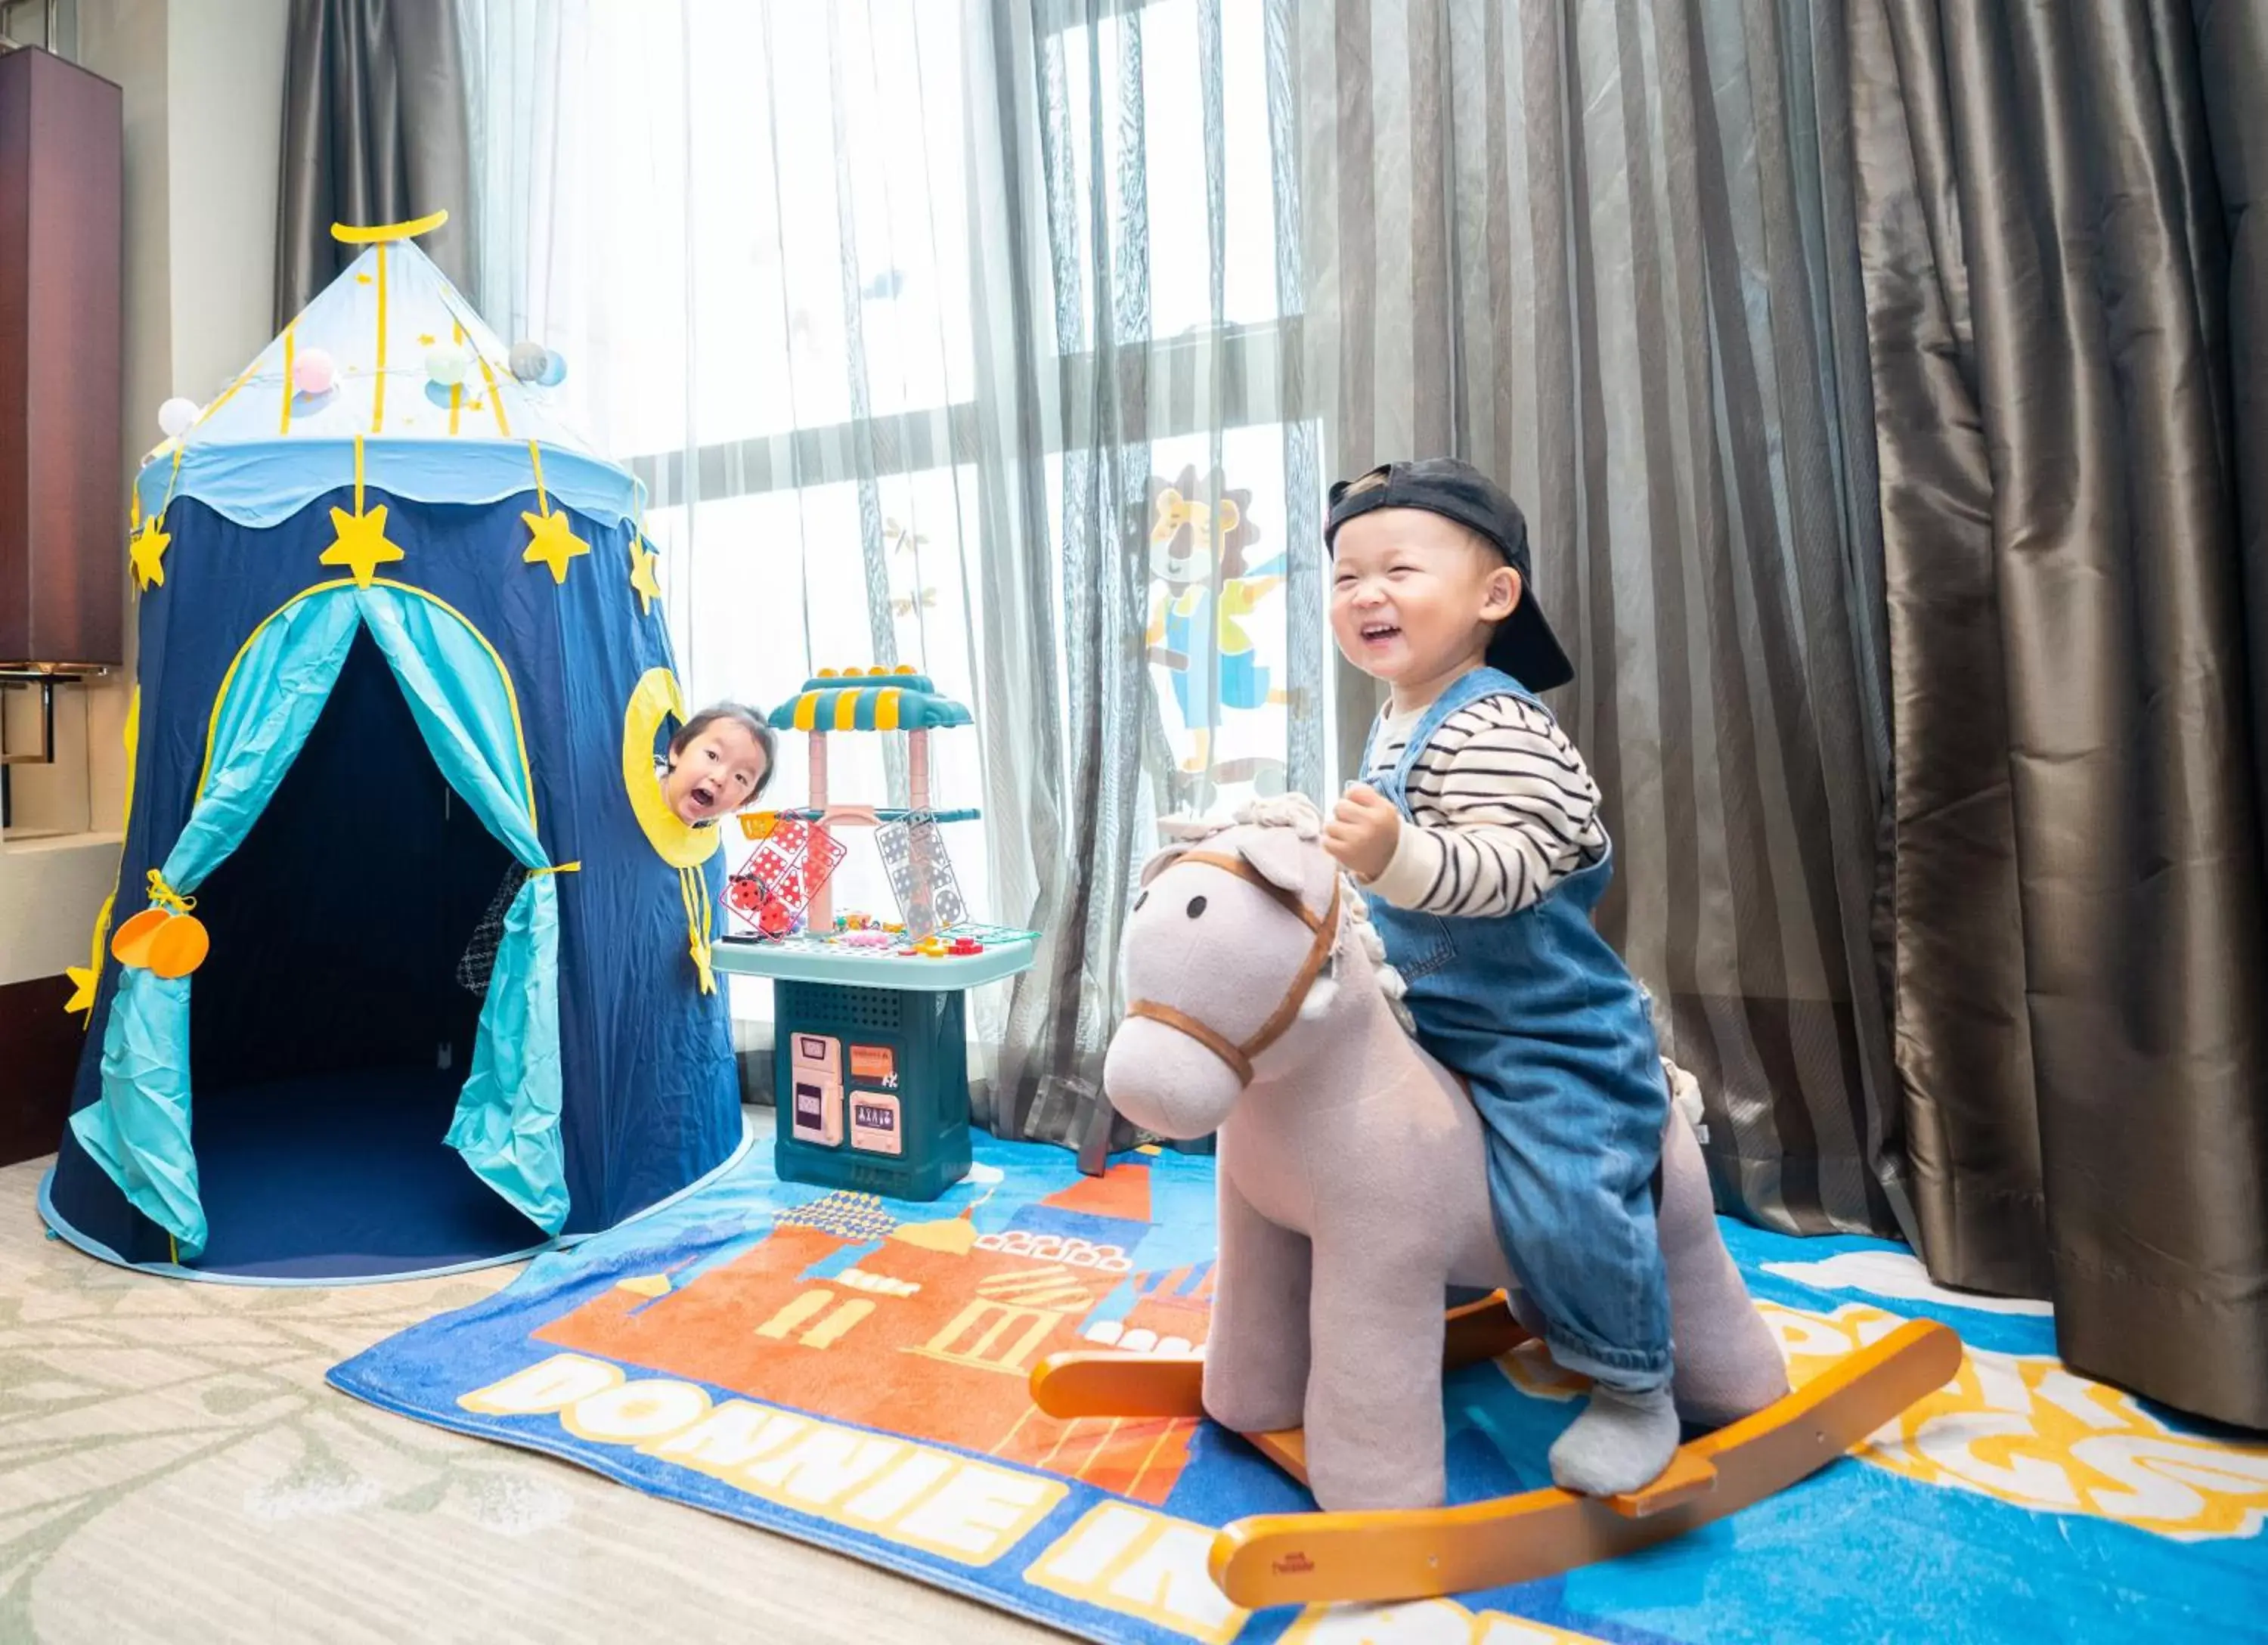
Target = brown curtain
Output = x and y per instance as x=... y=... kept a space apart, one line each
x=2068 y=310
x=1604 y=249
x=376 y=130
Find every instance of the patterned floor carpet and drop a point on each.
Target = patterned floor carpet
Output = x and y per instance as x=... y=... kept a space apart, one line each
x=172 y=1468
x=853 y=1371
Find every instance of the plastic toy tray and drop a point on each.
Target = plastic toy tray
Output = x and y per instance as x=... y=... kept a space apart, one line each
x=812 y=959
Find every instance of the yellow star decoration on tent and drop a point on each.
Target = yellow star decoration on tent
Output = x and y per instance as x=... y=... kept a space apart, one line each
x=84 y=979
x=551 y=540
x=149 y=553
x=553 y=543
x=643 y=561
x=361 y=547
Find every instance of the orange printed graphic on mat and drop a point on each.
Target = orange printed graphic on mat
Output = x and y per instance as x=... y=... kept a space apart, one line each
x=1122 y=1191
x=931 y=1335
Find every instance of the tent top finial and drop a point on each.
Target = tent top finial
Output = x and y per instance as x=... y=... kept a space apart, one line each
x=380 y=233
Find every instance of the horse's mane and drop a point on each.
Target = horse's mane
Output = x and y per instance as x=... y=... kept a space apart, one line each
x=1299 y=813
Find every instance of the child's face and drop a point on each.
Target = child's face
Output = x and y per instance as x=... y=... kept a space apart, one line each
x=1415 y=596
x=716 y=772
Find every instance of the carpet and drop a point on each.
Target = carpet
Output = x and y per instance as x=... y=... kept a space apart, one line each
x=851 y=1371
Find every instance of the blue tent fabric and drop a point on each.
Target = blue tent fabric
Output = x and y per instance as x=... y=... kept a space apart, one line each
x=646 y=1089
x=266 y=482
x=507 y=1120
x=377 y=320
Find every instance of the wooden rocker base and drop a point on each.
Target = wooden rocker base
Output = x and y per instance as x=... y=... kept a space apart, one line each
x=1391 y=1554
x=1110 y=1383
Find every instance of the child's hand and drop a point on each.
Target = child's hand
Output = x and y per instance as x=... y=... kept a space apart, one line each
x=1362 y=831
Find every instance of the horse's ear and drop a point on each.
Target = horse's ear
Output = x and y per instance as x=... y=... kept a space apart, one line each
x=1285 y=860
x=1160 y=860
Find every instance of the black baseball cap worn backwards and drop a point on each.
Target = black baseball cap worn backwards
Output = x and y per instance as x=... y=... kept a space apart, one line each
x=1524 y=646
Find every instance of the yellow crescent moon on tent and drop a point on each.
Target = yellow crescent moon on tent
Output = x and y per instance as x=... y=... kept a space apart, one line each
x=679 y=844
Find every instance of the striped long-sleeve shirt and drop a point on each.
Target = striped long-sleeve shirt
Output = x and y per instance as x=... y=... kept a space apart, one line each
x=1505 y=809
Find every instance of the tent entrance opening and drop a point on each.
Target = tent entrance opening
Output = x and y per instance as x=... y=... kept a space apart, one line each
x=331 y=1029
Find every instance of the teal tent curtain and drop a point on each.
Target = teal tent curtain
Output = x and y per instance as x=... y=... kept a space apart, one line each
x=507 y=1125
x=139 y=1131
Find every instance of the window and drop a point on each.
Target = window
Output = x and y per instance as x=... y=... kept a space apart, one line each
x=774 y=591
x=1219 y=635
x=1174 y=181
x=748 y=227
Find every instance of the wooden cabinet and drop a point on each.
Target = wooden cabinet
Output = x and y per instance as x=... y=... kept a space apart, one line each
x=62 y=509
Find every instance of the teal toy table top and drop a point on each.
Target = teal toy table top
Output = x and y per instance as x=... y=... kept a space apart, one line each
x=813 y=960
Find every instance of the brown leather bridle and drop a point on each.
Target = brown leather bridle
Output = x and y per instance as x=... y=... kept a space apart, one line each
x=1239 y=1057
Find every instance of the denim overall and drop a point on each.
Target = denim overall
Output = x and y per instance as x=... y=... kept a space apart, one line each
x=1542 y=1017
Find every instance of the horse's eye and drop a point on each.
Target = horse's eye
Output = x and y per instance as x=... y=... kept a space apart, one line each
x=1196 y=906
x=1142 y=898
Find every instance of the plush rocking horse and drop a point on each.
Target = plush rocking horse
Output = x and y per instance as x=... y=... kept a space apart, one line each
x=1352 y=1196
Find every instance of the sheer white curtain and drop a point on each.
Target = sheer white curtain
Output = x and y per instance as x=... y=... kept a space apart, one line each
x=954 y=335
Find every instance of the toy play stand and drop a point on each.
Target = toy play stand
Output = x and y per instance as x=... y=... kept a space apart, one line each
x=1387 y=1555
x=871 y=1064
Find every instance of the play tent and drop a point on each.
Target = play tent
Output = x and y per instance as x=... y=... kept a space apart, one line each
x=403 y=679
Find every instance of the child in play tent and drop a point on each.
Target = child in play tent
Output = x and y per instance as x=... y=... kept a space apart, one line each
x=718 y=761
x=721 y=761
x=1477 y=833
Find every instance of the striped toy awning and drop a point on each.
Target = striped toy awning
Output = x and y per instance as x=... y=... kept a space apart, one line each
x=878 y=699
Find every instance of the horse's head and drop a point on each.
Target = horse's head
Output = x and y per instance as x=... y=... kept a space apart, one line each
x=1231 y=942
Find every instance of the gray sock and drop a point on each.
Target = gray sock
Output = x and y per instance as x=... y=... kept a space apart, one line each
x=1621 y=1442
